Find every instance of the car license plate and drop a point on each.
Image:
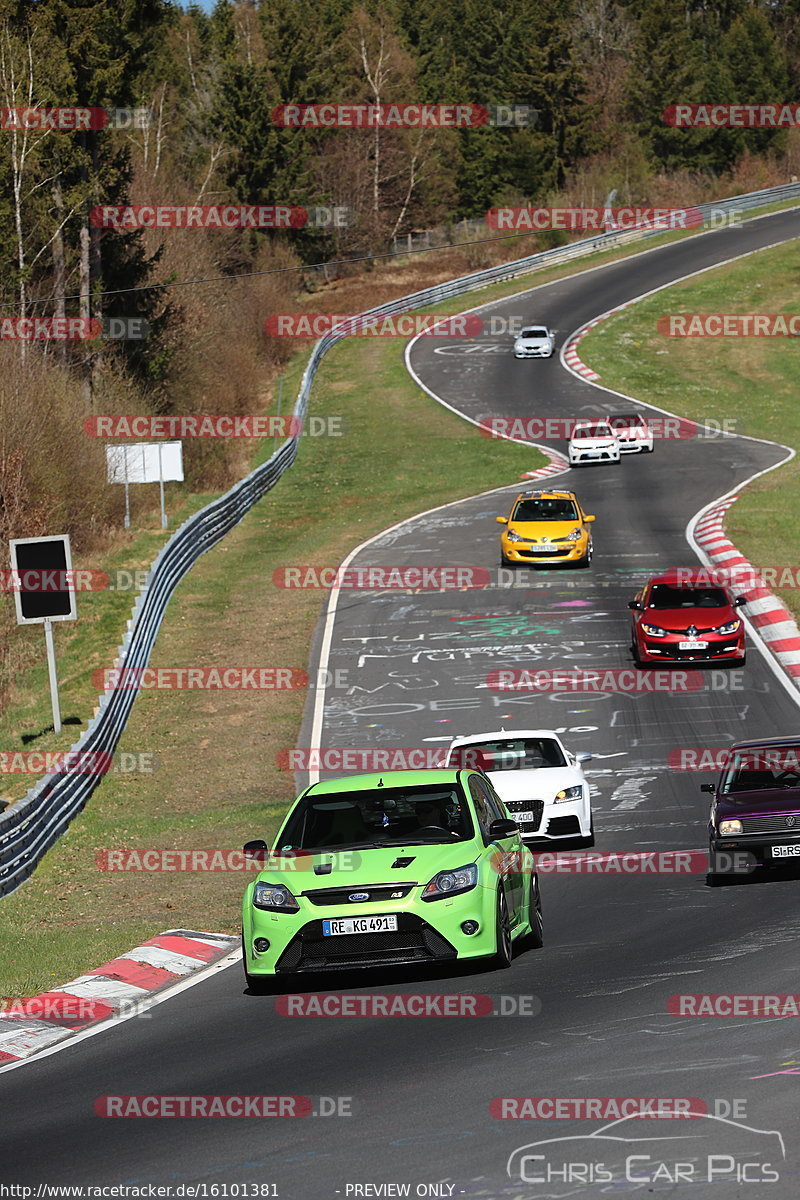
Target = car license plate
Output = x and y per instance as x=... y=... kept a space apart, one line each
x=543 y=549
x=692 y=645
x=522 y=816
x=336 y=926
x=786 y=851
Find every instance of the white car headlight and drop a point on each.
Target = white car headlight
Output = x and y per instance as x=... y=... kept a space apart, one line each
x=451 y=883
x=275 y=897
x=513 y=536
x=570 y=793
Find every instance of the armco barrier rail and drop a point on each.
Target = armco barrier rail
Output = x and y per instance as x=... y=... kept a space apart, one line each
x=30 y=828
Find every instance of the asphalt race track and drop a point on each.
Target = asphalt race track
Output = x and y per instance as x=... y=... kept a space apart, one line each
x=595 y=1021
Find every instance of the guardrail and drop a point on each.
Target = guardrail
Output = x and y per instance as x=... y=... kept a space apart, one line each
x=32 y=826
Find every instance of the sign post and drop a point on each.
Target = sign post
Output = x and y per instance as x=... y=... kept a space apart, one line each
x=51 y=670
x=44 y=592
x=144 y=462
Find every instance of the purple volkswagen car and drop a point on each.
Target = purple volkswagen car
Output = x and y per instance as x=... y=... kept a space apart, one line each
x=755 y=808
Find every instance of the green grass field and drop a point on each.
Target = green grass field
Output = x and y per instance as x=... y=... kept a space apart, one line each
x=752 y=383
x=214 y=780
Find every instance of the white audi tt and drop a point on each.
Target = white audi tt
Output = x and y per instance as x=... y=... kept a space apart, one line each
x=540 y=782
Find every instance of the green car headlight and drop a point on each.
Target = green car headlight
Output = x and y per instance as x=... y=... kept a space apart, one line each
x=450 y=883
x=570 y=793
x=275 y=897
x=727 y=827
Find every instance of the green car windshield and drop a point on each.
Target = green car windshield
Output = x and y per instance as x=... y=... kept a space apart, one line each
x=382 y=817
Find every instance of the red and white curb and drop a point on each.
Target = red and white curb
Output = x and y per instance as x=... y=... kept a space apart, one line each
x=557 y=465
x=573 y=359
x=38 y=1022
x=771 y=618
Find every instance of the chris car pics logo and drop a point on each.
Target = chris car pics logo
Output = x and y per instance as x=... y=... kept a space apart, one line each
x=632 y=1151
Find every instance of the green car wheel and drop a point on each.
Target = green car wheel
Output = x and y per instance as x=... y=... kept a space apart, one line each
x=504 y=951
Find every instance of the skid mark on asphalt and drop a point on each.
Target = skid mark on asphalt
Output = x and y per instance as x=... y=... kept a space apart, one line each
x=630 y=794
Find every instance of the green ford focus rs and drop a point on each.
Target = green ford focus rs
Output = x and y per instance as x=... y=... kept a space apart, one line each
x=376 y=870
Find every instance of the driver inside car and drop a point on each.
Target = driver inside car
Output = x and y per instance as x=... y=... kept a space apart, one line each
x=430 y=813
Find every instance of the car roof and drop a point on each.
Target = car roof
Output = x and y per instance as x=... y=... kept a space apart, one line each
x=548 y=494
x=501 y=734
x=388 y=779
x=685 y=577
x=768 y=742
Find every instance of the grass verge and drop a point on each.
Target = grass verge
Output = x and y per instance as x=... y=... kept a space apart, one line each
x=750 y=383
x=215 y=781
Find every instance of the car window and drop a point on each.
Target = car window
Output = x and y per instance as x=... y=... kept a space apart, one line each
x=385 y=817
x=483 y=807
x=597 y=429
x=519 y=754
x=545 y=509
x=662 y=595
x=497 y=806
x=626 y=421
x=756 y=769
x=534 y=333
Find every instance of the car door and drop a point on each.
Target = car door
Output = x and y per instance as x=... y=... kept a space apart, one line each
x=504 y=854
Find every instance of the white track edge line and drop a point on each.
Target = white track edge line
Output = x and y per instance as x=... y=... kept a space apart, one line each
x=142 y=1006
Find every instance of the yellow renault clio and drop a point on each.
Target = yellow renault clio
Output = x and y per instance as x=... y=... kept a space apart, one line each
x=546 y=527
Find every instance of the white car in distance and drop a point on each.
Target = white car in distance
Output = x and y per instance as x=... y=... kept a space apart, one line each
x=593 y=441
x=633 y=433
x=534 y=341
x=540 y=782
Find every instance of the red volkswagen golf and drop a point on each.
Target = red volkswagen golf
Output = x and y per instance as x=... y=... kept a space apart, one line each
x=678 y=618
